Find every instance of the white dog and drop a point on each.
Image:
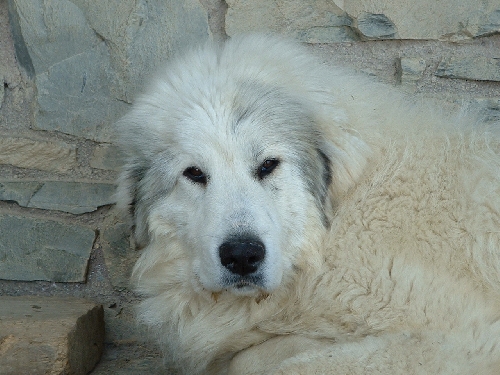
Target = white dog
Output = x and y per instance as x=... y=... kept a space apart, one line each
x=300 y=219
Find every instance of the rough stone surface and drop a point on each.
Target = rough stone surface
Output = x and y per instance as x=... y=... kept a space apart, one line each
x=410 y=70
x=19 y=192
x=72 y=197
x=83 y=106
x=143 y=34
x=309 y=21
x=49 y=336
x=479 y=68
x=430 y=19
x=376 y=26
x=119 y=253
x=61 y=47
x=343 y=20
x=47 y=156
x=2 y=90
x=102 y=60
x=37 y=249
x=106 y=156
x=131 y=365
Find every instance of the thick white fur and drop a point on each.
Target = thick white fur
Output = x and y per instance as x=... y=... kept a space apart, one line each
x=404 y=280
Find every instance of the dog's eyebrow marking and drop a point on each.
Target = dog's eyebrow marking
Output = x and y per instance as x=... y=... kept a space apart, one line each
x=327 y=173
x=251 y=99
x=135 y=175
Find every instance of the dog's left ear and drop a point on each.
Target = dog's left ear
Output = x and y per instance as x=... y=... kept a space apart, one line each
x=344 y=157
x=322 y=189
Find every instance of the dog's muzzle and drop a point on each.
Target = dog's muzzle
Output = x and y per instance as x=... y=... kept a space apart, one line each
x=242 y=256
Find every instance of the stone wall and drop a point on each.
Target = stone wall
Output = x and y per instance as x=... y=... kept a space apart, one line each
x=70 y=68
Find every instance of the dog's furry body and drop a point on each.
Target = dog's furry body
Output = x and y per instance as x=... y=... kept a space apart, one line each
x=379 y=220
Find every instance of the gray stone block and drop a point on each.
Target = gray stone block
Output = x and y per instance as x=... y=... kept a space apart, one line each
x=143 y=35
x=83 y=106
x=410 y=70
x=317 y=20
x=308 y=21
x=49 y=336
x=478 y=68
x=119 y=254
x=88 y=64
x=1 y=86
x=19 y=192
x=38 y=249
x=106 y=156
x=490 y=26
x=72 y=197
x=376 y=26
x=327 y=34
x=22 y=54
x=429 y=19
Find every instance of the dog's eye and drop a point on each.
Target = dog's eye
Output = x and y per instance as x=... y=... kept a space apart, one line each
x=267 y=167
x=196 y=175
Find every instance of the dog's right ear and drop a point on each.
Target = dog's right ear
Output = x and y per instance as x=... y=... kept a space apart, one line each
x=129 y=198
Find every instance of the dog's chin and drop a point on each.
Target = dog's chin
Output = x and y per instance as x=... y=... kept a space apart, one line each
x=245 y=289
x=255 y=285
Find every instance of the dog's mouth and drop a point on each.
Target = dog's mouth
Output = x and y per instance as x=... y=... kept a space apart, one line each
x=248 y=285
x=243 y=285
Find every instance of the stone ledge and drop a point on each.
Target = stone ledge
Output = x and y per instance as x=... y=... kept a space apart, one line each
x=43 y=249
x=49 y=336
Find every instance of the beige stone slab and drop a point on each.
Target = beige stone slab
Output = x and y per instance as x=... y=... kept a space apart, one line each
x=49 y=336
x=430 y=19
x=47 y=156
x=327 y=21
x=318 y=21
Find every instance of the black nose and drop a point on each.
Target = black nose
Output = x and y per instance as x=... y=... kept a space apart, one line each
x=242 y=256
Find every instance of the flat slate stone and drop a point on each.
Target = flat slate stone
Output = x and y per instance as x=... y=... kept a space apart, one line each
x=119 y=255
x=72 y=197
x=317 y=21
x=430 y=19
x=478 y=68
x=410 y=70
x=311 y=21
x=49 y=336
x=376 y=26
x=1 y=87
x=88 y=68
x=40 y=249
x=107 y=157
x=19 y=192
x=83 y=106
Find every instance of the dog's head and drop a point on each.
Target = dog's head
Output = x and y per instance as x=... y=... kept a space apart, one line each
x=226 y=156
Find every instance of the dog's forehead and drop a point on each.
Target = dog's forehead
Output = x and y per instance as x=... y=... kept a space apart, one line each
x=250 y=115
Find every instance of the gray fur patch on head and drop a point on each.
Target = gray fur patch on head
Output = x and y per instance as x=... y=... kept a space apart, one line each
x=287 y=119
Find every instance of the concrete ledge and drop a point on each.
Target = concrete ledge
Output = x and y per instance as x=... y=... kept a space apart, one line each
x=48 y=335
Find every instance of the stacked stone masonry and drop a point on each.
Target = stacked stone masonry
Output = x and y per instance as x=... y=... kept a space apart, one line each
x=70 y=68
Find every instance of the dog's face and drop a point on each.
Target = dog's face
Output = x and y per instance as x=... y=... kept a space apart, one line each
x=233 y=170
